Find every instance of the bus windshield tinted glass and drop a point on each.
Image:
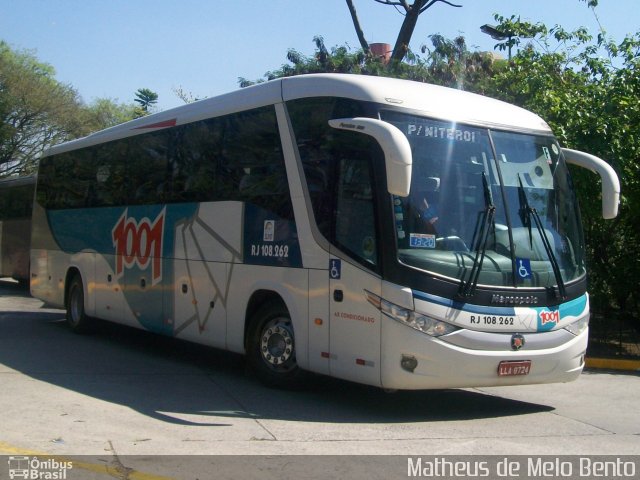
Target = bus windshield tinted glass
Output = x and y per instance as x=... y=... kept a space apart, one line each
x=470 y=205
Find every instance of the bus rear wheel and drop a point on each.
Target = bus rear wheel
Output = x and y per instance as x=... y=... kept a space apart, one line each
x=271 y=347
x=77 y=318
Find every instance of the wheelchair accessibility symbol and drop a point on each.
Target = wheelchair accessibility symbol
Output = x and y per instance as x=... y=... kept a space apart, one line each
x=335 y=269
x=523 y=266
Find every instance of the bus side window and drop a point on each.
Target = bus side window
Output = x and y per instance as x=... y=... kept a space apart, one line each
x=148 y=168
x=316 y=164
x=355 y=227
x=253 y=162
x=111 y=185
x=73 y=173
x=196 y=151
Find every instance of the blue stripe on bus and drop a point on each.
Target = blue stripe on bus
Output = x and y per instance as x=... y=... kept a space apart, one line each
x=575 y=307
x=548 y=317
x=138 y=242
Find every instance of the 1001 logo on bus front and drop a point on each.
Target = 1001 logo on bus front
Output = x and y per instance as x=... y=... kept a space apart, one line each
x=139 y=243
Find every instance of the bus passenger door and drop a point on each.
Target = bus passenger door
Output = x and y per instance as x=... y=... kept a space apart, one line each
x=355 y=323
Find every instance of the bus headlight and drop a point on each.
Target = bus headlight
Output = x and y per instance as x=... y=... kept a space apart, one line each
x=578 y=327
x=430 y=326
x=423 y=323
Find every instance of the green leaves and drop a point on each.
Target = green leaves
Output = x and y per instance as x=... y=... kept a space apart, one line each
x=37 y=111
x=146 y=99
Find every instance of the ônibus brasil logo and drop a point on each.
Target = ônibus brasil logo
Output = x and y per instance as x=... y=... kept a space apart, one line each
x=139 y=243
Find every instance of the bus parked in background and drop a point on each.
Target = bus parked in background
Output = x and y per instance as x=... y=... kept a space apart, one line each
x=383 y=231
x=16 y=202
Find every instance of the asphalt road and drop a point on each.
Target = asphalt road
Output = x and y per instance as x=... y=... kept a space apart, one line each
x=121 y=392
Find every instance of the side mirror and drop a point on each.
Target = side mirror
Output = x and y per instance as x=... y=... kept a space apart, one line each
x=610 y=181
x=397 y=151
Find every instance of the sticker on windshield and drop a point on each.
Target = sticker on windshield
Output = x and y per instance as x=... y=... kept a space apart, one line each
x=422 y=240
x=523 y=267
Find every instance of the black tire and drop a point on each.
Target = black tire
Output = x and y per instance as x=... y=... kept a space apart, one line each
x=77 y=318
x=271 y=351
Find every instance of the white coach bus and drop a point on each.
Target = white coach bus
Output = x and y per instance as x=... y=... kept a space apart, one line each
x=387 y=232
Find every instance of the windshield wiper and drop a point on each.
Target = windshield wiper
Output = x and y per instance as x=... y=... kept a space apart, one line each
x=485 y=220
x=526 y=213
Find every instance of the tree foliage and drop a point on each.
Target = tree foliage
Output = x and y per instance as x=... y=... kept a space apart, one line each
x=185 y=95
x=146 y=100
x=106 y=112
x=451 y=64
x=444 y=62
x=36 y=111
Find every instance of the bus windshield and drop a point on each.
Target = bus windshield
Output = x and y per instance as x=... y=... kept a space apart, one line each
x=491 y=207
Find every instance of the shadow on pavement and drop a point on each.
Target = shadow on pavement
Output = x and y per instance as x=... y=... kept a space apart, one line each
x=166 y=378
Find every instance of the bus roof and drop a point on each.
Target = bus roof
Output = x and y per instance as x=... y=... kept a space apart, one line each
x=424 y=99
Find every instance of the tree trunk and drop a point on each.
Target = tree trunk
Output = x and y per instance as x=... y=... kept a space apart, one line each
x=401 y=47
x=356 y=24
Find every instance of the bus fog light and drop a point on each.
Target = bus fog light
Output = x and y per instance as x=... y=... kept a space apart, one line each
x=408 y=363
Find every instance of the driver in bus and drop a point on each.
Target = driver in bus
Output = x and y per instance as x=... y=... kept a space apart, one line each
x=424 y=205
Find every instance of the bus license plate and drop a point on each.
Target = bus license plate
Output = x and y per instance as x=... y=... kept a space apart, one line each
x=513 y=368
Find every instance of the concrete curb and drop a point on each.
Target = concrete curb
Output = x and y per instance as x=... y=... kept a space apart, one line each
x=613 y=364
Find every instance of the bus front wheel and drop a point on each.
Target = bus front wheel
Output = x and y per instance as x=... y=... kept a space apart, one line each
x=271 y=347
x=76 y=316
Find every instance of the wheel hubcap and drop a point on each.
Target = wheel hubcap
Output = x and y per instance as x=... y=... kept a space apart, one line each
x=276 y=342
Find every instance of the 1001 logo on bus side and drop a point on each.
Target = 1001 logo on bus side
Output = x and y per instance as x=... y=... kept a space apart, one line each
x=139 y=243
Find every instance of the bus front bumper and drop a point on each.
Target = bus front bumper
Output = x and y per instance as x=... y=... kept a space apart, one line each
x=412 y=360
